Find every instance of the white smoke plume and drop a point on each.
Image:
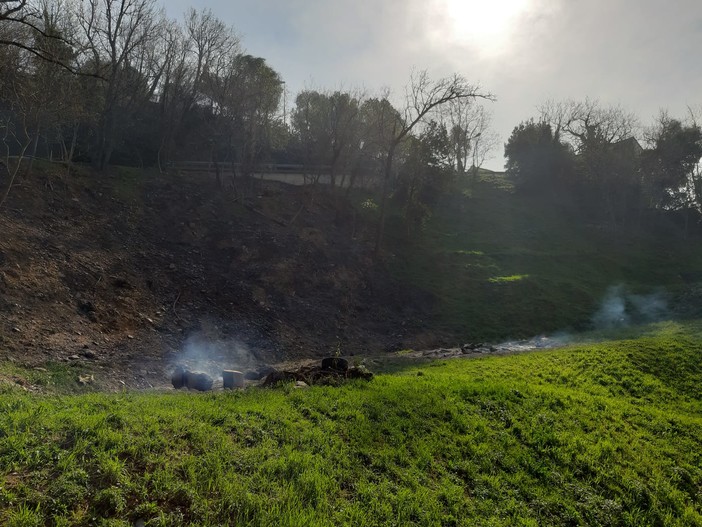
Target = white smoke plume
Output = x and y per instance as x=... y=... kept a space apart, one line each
x=619 y=308
x=201 y=353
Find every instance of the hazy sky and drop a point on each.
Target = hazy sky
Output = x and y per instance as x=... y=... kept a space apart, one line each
x=642 y=54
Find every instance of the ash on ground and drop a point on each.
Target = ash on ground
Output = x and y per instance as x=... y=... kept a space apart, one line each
x=473 y=349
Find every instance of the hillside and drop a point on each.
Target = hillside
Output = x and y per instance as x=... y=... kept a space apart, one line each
x=128 y=272
x=597 y=434
x=501 y=265
x=131 y=264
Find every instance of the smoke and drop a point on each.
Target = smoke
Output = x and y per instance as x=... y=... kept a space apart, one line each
x=540 y=342
x=202 y=353
x=619 y=308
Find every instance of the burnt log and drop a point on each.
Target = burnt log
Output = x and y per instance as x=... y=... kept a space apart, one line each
x=257 y=375
x=276 y=377
x=335 y=363
x=178 y=378
x=359 y=372
x=200 y=381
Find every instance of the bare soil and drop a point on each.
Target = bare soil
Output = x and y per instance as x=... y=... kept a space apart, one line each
x=128 y=273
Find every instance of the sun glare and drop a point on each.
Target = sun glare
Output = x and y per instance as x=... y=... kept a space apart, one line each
x=487 y=23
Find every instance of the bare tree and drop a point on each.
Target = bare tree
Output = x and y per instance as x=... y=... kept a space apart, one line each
x=119 y=35
x=469 y=132
x=28 y=15
x=588 y=123
x=423 y=97
x=211 y=47
x=175 y=89
x=344 y=124
x=20 y=96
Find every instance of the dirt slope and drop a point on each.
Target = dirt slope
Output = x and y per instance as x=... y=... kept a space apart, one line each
x=127 y=271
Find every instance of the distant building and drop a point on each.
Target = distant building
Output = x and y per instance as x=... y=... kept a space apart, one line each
x=629 y=146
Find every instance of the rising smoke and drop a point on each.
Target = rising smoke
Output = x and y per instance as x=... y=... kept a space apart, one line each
x=211 y=356
x=619 y=308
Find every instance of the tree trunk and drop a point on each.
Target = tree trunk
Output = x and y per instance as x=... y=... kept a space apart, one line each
x=34 y=152
x=13 y=173
x=387 y=170
x=69 y=160
x=352 y=180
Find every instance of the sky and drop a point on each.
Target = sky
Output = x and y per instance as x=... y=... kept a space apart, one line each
x=641 y=54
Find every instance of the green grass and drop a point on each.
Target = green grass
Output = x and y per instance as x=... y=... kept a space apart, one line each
x=596 y=434
x=499 y=265
x=52 y=377
x=507 y=279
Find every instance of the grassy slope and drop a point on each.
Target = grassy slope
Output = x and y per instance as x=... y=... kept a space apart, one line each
x=502 y=265
x=598 y=434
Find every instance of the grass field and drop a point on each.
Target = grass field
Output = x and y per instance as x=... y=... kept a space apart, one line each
x=501 y=265
x=594 y=434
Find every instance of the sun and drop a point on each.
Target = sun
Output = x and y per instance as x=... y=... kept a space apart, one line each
x=487 y=23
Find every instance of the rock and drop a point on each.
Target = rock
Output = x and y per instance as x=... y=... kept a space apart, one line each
x=121 y=283
x=89 y=354
x=85 y=307
x=16 y=329
x=301 y=384
x=73 y=357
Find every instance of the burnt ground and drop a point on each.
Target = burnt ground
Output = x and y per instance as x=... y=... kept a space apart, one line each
x=128 y=271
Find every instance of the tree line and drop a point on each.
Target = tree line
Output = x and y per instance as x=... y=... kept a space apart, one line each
x=586 y=155
x=118 y=82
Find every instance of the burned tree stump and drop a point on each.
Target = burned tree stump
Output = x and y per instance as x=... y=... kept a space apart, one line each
x=335 y=363
x=312 y=375
x=178 y=378
x=196 y=380
x=257 y=375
